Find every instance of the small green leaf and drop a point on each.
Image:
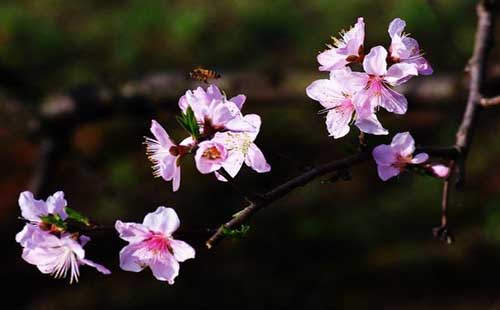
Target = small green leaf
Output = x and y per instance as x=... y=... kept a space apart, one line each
x=53 y=220
x=77 y=217
x=238 y=233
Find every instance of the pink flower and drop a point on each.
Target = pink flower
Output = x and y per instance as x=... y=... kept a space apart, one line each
x=392 y=159
x=165 y=155
x=57 y=255
x=240 y=148
x=32 y=209
x=214 y=111
x=347 y=49
x=404 y=49
x=336 y=95
x=378 y=82
x=151 y=244
x=210 y=156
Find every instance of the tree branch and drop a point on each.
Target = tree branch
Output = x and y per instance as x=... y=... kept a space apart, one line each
x=458 y=152
x=489 y=102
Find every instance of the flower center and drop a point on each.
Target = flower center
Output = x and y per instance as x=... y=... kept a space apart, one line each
x=212 y=153
x=158 y=244
x=402 y=161
x=375 y=83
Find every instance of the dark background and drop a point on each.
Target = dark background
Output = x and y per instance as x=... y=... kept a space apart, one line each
x=357 y=244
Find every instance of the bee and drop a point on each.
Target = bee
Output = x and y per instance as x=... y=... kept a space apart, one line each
x=201 y=74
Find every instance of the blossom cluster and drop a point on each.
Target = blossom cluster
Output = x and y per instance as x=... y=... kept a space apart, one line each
x=221 y=137
x=46 y=241
x=350 y=96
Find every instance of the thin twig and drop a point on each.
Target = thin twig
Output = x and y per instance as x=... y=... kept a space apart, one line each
x=489 y=102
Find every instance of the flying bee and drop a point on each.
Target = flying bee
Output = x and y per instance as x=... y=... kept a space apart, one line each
x=201 y=74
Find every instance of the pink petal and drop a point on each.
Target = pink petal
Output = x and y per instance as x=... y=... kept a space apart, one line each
x=420 y=158
x=163 y=220
x=396 y=27
x=403 y=144
x=132 y=232
x=393 y=101
x=165 y=269
x=176 y=178
x=97 y=266
x=331 y=60
x=182 y=250
x=31 y=209
x=337 y=121
x=441 y=171
x=370 y=124
x=56 y=204
x=355 y=37
x=327 y=92
x=256 y=160
x=239 y=124
x=400 y=73
x=375 y=62
x=387 y=172
x=160 y=134
x=238 y=100
x=384 y=155
x=219 y=177
x=233 y=162
x=129 y=260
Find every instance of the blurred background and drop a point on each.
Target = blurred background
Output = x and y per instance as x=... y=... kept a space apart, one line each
x=80 y=82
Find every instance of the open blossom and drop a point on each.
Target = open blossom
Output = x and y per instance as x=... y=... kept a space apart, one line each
x=347 y=49
x=52 y=250
x=392 y=159
x=59 y=255
x=210 y=156
x=378 y=81
x=151 y=245
x=166 y=155
x=337 y=96
x=405 y=49
x=213 y=111
x=241 y=149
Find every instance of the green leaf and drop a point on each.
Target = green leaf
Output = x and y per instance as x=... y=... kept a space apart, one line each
x=188 y=121
x=77 y=217
x=238 y=233
x=55 y=220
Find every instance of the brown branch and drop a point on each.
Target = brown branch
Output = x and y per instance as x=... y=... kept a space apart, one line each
x=459 y=151
x=476 y=68
x=489 y=102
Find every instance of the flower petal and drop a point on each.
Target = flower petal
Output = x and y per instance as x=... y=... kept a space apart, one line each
x=403 y=144
x=176 y=178
x=384 y=155
x=163 y=220
x=370 y=124
x=129 y=260
x=420 y=158
x=387 y=172
x=375 y=62
x=97 y=266
x=165 y=269
x=161 y=134
x=182 y=250
x=337 y=121
x=238 y=100
x=256 y=160
x=331 y=60
x=31 y=209
x=393 y=101
x=400 y=73
x=396 y=27
x=56 y=204
x=131 y=232
x=327 y=92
